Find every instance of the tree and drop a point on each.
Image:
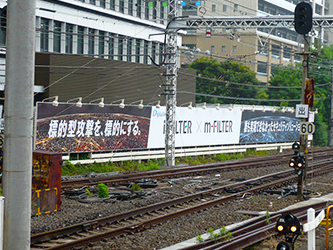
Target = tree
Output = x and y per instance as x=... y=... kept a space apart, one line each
x=285 y=77
x=221 y=78
x=321 y=70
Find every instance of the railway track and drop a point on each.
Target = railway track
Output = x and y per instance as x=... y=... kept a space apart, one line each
x=192 y=170
x=255 y=230
x=140 y=219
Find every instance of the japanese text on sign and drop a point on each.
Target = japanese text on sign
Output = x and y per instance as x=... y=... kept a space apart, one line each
x=272 y=126
x=81 y=128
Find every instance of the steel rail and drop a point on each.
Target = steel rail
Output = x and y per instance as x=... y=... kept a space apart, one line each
x=248 y=162
x=133 y=227
x=184 y=171
x=260 y=231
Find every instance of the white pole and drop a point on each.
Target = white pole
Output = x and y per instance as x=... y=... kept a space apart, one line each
x=17 y=160
x=311 y=233
x=2 y=208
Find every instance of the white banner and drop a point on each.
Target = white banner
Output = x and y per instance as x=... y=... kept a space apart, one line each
x=196 y=127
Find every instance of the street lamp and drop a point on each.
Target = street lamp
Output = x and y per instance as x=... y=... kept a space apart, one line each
x=100 y=104
x=79 y=102
x=55 y=101
x=140 y=106
x=121 y=104
x=189 y=105
x=158 y=104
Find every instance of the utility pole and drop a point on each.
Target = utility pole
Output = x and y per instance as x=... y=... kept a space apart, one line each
x=303 y=25
x=303 y=138
x=171 y=85
x=17 y=164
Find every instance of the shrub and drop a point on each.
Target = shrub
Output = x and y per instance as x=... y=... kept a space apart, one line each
x=103 y=191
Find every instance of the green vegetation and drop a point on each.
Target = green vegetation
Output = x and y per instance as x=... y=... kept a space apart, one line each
x=212 y=235
x=199 y=239
x=216 y=80
x=215 y=77
x=136 y=187
x=223 y=234
x=69 y=169
x=103 y=191
x=268 y=218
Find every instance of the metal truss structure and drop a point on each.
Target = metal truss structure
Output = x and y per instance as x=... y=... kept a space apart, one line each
x=287 y=21
x=176 y=24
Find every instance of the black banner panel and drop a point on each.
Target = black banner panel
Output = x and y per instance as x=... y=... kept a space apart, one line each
x=268 y=127
x=67 y=128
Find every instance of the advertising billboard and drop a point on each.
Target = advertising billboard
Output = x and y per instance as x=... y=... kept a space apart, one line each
x=66 y=128
x=265 y=127
x=196 y=127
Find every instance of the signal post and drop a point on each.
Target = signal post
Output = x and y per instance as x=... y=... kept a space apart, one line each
x=303 y=25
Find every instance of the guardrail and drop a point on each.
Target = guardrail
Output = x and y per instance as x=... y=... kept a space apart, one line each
x=179 y=152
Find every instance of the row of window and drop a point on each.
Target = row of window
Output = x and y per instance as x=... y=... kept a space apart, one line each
x=154 y=10
x=223 y=49
x=67 y=38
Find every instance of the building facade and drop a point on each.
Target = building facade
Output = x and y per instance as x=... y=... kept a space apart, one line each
x=130 y=33
x=261 y=49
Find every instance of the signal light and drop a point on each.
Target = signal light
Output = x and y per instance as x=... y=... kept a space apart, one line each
x=297 y=162
x=283 y=246
x=280 y=228
x=292 y=162
x=303 y=18
x=288 y=224
x=295 y=146
x=291 y=227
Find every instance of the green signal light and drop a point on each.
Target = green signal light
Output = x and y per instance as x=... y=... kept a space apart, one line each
x=165 y=4
x=150 y=4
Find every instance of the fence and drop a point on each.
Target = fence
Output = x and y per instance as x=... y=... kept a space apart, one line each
x=179 y=152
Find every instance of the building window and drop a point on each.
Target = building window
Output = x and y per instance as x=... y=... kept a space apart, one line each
x=235 y=7
x=138 y=8
x=57 y=37
x=234 y=49
x=69 y=38
x=120 y=48
x=80 y=39
x=275 y=51
x=155 y=11
x=102 y=3
x=112 y=4
x=91 y=42
x=121 y=6
x=129 y=50
x=153 y=51
x=101 y=43
x=146 y=11
x=213 y=8
x=44 y=35
x=212 y=49
x=137 y=51
x=225 y=7
x=287 y=52
x=130 y=7
x=262 y=67
x=162 y=12
x=145 y=51
x=111 y=47
x=223 y=49
x=92 y=2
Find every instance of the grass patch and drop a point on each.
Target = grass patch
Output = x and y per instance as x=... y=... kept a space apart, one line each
x=69 y=169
